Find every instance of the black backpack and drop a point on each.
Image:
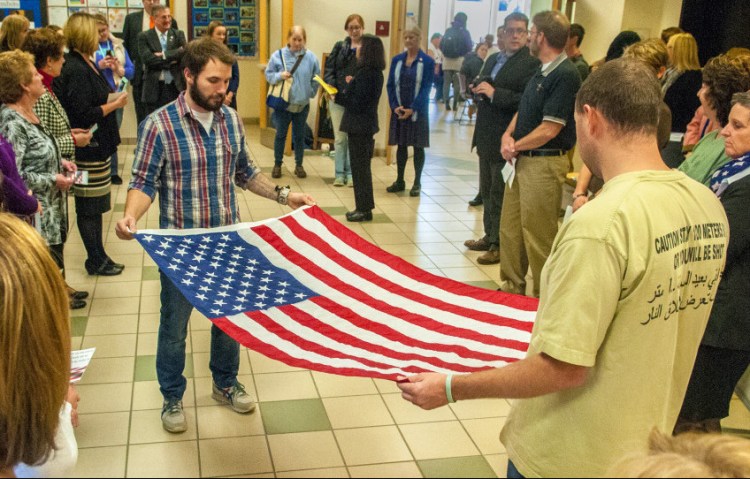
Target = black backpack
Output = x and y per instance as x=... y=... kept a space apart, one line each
x=453 y=44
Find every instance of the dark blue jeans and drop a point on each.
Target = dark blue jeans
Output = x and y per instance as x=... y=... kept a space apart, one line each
x=282 y=119
x=513 y=472
x=170 y=352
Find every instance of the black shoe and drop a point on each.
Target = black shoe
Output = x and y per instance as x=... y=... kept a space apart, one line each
x=120 y=266
x=76 y=294
x=477 y=201
x=396 y=187
x=447 y=108
x=105 y=269
x=77 y=303
x=357 y=216
x=415 y=190
x=116 y=180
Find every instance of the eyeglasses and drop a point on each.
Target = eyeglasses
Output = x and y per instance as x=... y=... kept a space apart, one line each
x=353 y=28
x=515 y=31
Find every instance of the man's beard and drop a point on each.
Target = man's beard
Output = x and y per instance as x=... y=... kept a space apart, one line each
x=212 y=103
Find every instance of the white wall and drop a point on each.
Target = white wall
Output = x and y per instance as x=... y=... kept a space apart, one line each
x=602 y=21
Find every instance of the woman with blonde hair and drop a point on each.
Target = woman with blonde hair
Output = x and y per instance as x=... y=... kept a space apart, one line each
x=83 y=92
x=218 y=32
x=35 y=350
x=13 y=32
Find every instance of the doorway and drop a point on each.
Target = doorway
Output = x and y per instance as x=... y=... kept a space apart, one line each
x=484 y=16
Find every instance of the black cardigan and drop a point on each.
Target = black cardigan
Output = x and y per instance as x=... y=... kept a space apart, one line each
x=360 y=99
x=82 y=91
x=341 y=62
x=682 y=99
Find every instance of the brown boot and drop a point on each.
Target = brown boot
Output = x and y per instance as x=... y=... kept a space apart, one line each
x=477 y=245
x=276 y=173
x=492 y=256
x=300 y=171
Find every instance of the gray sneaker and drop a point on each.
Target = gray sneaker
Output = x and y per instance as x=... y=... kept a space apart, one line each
x=235 y=397
x=172 y=416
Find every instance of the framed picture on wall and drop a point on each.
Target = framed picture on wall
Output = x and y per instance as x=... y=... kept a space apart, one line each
x=58 y=11
x=238 y=16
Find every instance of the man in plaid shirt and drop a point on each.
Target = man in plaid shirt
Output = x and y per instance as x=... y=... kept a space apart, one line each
x=190 y=152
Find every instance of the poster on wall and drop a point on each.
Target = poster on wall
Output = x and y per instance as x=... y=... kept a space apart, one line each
x=238 y=16
x=58 y=11
x=34 y=10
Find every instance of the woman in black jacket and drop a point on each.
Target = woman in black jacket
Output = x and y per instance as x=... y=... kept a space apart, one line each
x=360 y=98
x=341 y=63
x=83 y=93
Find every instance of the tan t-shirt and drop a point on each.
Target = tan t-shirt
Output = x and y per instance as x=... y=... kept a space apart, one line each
x=626 y=291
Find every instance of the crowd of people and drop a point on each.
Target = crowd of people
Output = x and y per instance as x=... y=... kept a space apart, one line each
x=665 y=144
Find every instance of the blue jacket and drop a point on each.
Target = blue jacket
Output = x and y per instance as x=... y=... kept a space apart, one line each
x=303 y=87
x=425 y=73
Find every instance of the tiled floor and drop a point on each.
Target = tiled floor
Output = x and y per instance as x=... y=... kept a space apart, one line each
x=308 y=424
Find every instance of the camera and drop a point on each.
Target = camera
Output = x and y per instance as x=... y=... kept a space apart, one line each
x=479 y=97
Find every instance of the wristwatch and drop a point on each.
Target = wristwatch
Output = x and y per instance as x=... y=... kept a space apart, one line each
x=283 y=194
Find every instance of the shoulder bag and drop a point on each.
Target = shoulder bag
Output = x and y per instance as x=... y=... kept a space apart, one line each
x=278 y=94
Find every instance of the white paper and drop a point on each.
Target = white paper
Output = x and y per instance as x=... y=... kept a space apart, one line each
x=79 y=361
x=509 y=172
x=676 y=137
x=57 y=15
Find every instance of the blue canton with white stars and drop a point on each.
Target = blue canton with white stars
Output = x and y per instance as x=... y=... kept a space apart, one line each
x=221 y=274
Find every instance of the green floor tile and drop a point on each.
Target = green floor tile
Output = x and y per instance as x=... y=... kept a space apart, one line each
x=78 y=325
x=145 y=367
x=381 y=218
x=118 y=207
x=335 y=210
x=484 y=284
x=470 y=466
x=303 y=415
x=150 y=273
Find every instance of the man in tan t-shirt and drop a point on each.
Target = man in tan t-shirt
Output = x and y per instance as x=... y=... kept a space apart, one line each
x=625 y=297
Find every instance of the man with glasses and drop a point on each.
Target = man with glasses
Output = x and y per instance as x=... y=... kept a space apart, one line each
x=536 y=142
x=497 y=92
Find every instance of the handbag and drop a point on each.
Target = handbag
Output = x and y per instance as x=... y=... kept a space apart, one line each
x=278 y=94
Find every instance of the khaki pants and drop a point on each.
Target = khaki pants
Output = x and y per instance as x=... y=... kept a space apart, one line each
x=528 y=223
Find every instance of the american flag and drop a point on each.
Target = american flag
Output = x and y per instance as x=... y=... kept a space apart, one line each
x=305 y=290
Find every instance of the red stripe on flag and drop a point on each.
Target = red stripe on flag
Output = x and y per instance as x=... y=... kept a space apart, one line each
x=333 y=282
x=523 y=303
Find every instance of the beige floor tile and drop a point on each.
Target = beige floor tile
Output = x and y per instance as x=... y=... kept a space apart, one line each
x=480 y=408
x=325 y=472
x=113 y=306
x=146 y=427
x=99 y=325
x=390 y=239
x=444 y=261
x=357 y=411
x=465 y=274
x=109 y=370
x=148 y=323
x=405 y=412
x=372 y=445
x=111 y=345
x=739 y=416
x=221 y=421
x=285 y=386
x=304 y=450
x=438 y=440
x=443 y=248
x=150 y=304
x=166 y=459
x=498 y=463
x=100 y=398
x=204 y=388
x=264 y=364
x=130 y=273
x=201 y=341
x=396 y=469
x=117 y=290
x=100 y=462
x=75 y=342
x=486 y=434
x=386 y=387
x=330 y=385
x=150 y=288
x=231 y=456
x=146 y=395
x=106 y=429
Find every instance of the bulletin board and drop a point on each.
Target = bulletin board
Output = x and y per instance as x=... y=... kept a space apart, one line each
x=34 y=10
x=58 y=11
x=238 y=16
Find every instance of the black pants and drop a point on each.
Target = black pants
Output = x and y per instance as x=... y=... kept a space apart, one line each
x=140 y=107
x=167 y=93
x=90 y=227
x=491 y=188
x=361 y=148
x=402 y=156
x=56 y=251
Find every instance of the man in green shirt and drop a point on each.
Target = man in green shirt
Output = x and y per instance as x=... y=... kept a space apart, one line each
x=625 y=298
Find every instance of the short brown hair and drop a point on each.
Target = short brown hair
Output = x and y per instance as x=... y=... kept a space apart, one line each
x=652 y=52
x=352 y=17
x=213 y=26
x=14 y=73
x=626 y=93
x=555 y=26
x=668 y=32
x=81 y=33
x=35 y=340
x=724 y=76
x=44 y=43
x=158 y=8
x=11 y=30
x=199 y=52
x=688 y=455
x=100 y=18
